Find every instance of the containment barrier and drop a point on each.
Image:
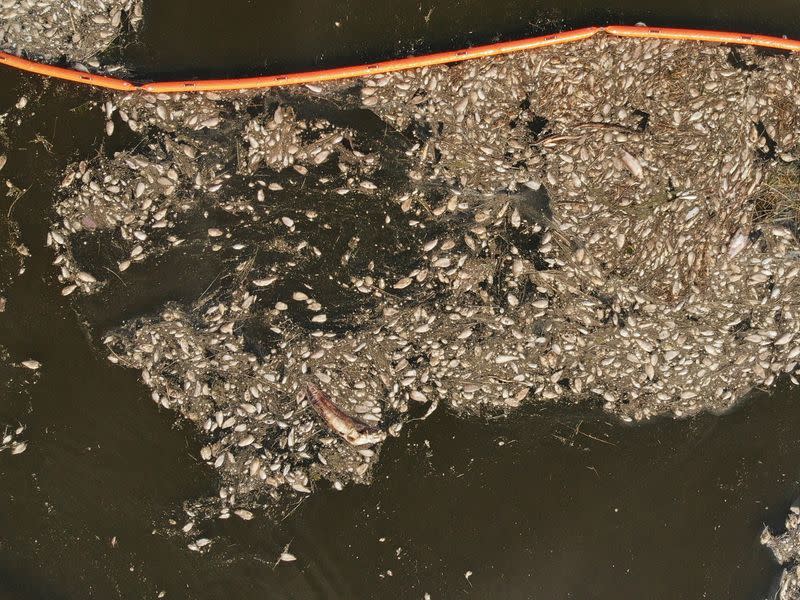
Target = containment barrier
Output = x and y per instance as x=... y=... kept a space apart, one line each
x=374 y=68
x=703 y=35
x=389 y=66
x=66 y=74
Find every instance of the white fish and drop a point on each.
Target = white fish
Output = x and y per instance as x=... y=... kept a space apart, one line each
x=633 y=164
x=85 y=277
x=264 y=282
x=738 y=243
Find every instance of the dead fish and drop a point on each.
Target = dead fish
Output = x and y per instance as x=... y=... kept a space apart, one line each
x=353 y=431
x=632 y=164
x=738 y=243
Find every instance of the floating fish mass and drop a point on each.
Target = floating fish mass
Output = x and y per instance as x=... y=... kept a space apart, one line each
x=611 y=222
x=786 y=549
x=78 y=29
x=10 y=440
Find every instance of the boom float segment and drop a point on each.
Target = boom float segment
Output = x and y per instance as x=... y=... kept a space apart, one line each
x=412 y=62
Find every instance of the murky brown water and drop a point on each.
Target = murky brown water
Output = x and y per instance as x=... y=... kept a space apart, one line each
x=552 y=503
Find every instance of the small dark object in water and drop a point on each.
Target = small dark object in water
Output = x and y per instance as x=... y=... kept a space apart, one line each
x=533 y=205
x=736 y=60
x=537 y=125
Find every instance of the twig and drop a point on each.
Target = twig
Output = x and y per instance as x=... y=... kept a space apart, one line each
x=597 y=439
x=20 y=195
x=116 y=275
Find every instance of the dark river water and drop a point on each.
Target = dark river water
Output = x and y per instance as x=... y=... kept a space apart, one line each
x=195 y=37
x=551 y=503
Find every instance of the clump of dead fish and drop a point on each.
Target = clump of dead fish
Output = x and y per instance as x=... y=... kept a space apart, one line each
x=78 y=29
x=613 y=221
x=786 y=549
x=11 y=440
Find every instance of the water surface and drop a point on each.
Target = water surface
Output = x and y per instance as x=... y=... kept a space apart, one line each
x=552 y=503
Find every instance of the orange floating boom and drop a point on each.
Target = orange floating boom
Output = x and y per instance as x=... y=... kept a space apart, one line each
x=389 y=66
x=704 y=35
x=67 y=74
